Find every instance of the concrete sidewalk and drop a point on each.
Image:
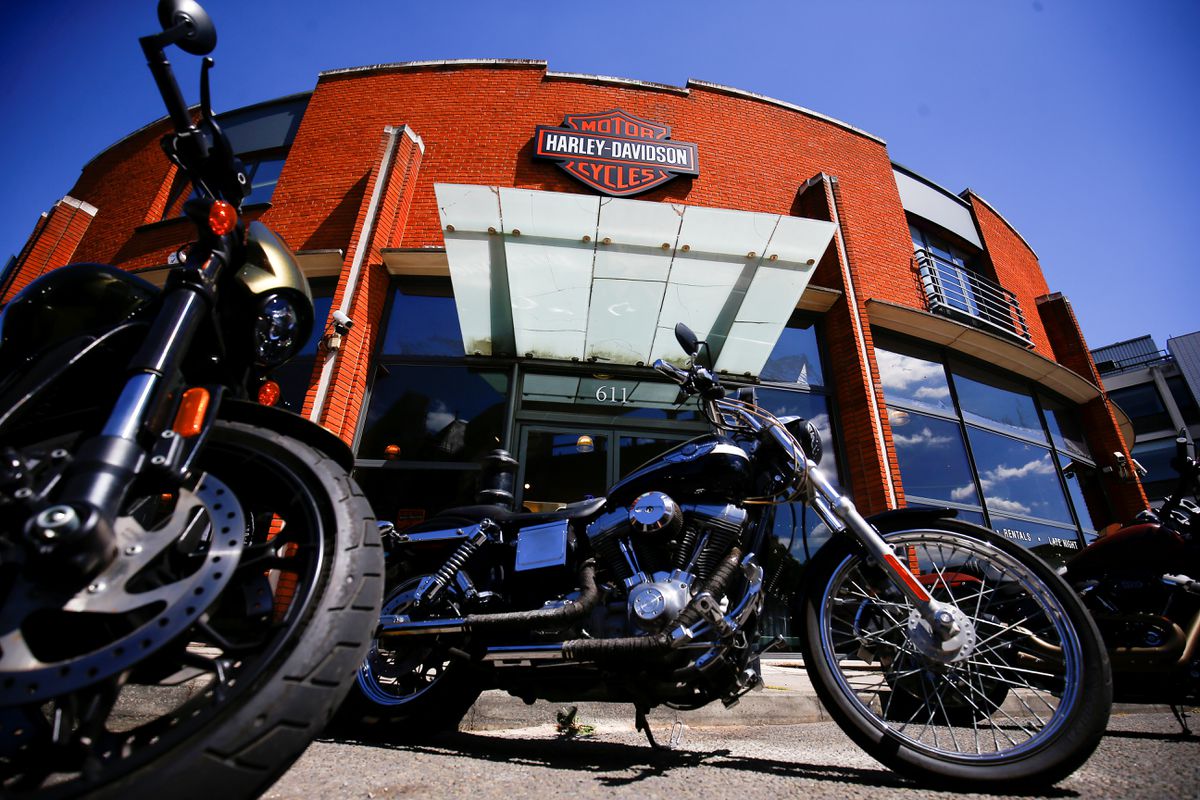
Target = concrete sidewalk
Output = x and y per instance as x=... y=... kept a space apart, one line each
x=786 y=698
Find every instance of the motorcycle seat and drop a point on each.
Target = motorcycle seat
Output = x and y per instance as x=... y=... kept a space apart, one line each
x=509 y=520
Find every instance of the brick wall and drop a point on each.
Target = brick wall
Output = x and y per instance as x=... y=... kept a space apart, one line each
x=1017 y=268
x=54 y=242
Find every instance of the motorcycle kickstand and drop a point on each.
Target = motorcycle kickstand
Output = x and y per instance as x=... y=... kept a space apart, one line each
x=643 y=725
x=1181 y=717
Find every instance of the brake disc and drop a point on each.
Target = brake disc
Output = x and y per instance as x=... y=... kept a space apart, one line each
x=210 y=512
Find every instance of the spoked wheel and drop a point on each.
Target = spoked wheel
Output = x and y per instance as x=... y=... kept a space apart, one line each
x=421 y=681
x=216 y=646
x=1018 y=695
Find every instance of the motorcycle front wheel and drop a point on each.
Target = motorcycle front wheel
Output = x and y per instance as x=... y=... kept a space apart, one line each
x=1018 y=697
x=226 y=651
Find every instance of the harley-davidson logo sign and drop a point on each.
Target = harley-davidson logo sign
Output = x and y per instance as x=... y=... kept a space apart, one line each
x=614 y=152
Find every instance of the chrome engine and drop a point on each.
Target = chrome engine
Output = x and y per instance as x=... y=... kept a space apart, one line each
x=658 y=553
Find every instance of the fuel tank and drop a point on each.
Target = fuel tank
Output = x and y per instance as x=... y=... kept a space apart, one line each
x=709 y=466
x=1135 y=549
x=66 y=303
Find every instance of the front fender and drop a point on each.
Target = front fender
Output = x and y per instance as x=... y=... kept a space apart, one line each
x=904 y=518
x=289 y=424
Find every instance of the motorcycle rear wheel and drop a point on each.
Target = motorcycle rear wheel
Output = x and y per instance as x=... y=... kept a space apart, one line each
x=417 y=683
x=1024 y=629
x=225 y=707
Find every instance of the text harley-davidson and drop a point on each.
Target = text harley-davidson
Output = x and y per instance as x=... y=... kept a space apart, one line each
x=946 y=652
x=188 y=578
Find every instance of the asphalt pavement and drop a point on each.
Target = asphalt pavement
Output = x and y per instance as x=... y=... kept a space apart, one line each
x=1143 y=756
x=776 y=742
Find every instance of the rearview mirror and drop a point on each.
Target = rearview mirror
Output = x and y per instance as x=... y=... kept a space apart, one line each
x=201 y=37
x=687 y=340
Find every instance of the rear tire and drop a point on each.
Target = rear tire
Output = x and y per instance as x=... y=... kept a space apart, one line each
x=868 y=663
x=418 y=683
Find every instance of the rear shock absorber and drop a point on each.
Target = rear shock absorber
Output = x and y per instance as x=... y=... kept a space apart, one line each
x=433 y=585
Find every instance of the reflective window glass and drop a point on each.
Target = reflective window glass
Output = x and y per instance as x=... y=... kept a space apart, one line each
x=1144 y=406
x=616 y=396
x=408 y=497
x=1161 y=478
x=912 y=381
x=993 y=401
x=434 y=413
x=1184 y=400
x=1017 y=478
x=1083 y=487
x=975 y=517
x=796 y=357
x=423 y=320
x=813 y=407
x=932 y=458
x=263 y=174
x=1053 y=544
x=1066 y=431
x=560 y=468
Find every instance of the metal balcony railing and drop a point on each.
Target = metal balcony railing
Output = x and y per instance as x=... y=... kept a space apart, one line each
x=1118 y=365
x=958 y=292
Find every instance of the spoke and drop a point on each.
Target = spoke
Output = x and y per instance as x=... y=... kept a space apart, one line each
x=1011 y=668
x=946 y=715
x=1003 y=630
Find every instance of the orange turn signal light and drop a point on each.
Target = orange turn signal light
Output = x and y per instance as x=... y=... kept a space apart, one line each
x=189 y=419
x=268 y=393
x=222 y=218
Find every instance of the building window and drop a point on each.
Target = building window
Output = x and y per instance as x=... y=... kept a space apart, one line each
x=433 y=412
x=1144 y=406
x=796 y=357
x=932 y=458
x=989 y=446
x=262 y=172
x=1184 y=400
x=1155 y=455
x=431 y=415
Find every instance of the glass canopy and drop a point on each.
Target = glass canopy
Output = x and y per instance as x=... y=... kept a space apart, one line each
x=582 y=278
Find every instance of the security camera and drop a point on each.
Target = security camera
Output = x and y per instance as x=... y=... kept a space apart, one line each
x=342 y=323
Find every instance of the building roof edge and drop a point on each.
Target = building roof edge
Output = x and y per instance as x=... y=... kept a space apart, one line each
x=717 y=87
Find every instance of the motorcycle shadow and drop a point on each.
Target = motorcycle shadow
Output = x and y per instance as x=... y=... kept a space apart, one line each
x=617 y=764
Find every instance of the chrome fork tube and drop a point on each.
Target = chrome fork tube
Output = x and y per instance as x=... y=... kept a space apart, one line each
x=840 y=514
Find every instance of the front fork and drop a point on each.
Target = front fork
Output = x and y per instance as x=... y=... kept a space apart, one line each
x=838 y=512
x=75 y=537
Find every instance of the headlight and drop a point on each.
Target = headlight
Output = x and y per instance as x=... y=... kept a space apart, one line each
x=807 y=435
x=277 y=330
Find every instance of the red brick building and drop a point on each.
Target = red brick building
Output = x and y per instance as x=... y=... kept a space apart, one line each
x=924 y=338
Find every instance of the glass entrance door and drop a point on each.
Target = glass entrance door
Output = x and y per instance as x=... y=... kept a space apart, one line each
x=563 y=464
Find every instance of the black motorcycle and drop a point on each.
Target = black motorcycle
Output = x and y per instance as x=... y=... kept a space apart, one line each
x=945 y=651
x=1142 y=584
x=188 y=578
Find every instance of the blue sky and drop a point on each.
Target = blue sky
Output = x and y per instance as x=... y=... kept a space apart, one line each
x=1076 y=119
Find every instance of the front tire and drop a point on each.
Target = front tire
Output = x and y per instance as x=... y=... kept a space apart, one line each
x=1021 y=700
x=228 y=704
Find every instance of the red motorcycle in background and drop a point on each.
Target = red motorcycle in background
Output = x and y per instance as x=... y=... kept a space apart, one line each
x=1142 y=584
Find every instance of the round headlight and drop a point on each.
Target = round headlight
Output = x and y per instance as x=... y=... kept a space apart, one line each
x=276 y=330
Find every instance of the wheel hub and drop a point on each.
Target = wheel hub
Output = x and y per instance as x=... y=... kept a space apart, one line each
x=954 y=643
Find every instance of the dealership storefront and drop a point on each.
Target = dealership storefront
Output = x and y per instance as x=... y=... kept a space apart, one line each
x=515 y=245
